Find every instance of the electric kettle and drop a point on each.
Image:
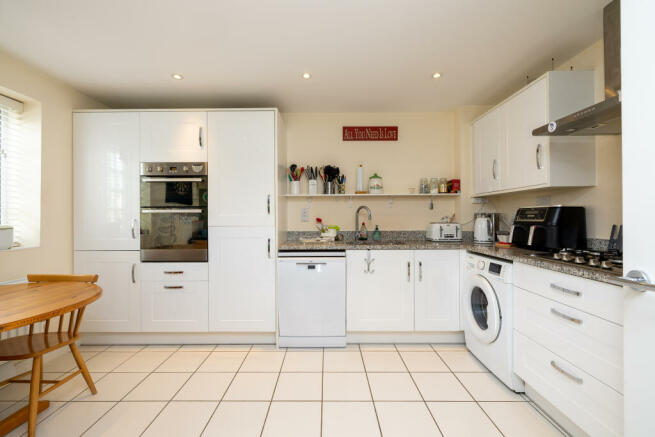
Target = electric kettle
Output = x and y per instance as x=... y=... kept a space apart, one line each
x=483 y=229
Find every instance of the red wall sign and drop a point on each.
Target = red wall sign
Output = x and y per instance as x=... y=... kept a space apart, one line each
x=370 y=133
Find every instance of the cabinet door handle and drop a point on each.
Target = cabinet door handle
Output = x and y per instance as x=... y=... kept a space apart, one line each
x=420 y=271
x=174 y=272
x=538 y=156
x=268 y=204
x=200 y=136
x=269 y=248
x=565 y=316
x=134 y=229
x=493 y=169
x=565 y=290
x=173 y=287
x=409 y=267
x=555 y=366
x=133 y=274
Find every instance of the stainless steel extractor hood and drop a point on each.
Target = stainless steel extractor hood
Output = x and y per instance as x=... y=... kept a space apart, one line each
x=603 y=118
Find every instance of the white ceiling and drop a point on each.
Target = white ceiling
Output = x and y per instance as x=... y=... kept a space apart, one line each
x=364 y=55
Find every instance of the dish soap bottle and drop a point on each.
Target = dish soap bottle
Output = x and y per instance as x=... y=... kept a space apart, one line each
x=363 y=233
x=377 y=235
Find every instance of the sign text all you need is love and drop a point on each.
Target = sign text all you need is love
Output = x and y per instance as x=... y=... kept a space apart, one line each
x=370 y=133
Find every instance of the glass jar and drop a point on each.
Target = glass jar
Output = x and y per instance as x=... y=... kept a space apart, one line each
x=424 y=187
x=434 y=185
x=375 y=184
x=443 y=185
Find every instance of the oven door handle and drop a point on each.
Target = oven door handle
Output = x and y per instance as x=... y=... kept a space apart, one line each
x=171 y=179
x=171 y=211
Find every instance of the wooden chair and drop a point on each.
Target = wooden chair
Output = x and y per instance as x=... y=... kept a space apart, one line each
x=35 y=345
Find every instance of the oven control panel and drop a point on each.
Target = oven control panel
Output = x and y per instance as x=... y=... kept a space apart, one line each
x=173 y=168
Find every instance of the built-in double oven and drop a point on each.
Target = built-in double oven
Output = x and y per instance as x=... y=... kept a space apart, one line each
x=174 y=211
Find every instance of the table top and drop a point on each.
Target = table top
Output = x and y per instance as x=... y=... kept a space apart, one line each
x=24 y=304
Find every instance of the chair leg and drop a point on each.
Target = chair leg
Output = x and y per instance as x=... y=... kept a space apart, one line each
x=34 y=395
x=85 y=372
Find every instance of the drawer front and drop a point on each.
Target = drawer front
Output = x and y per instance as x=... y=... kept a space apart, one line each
x=174 y=272
x=589 y=342
x=590 y=404
x=593 y=297
x=174 y=306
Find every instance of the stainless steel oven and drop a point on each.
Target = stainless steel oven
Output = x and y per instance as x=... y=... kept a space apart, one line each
x=174 y=211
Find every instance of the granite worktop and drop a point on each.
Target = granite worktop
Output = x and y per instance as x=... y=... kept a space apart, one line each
x=416 y=241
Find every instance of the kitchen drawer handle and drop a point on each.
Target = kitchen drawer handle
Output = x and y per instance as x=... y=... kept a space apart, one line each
x=200 y=136
x=133 y=274
x=420 y=271
x=173 y=272
x=555 y=366
x=565 y=290
x=565 y=317
x=173 y=287
x=540 y=164
x=409 y=266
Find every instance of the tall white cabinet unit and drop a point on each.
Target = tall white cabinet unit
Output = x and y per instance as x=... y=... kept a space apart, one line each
x=106 y=211
x=507 y=158
x=241 y=213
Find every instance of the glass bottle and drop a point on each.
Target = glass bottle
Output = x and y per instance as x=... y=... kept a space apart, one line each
x=377 y=235
x=363 y=232
x=434 y=185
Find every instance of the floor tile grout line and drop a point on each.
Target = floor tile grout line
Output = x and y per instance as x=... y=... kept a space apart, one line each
x=471 y=394
x=419 y=391
x=220 y=401
x=268 y=410
x=370 y=390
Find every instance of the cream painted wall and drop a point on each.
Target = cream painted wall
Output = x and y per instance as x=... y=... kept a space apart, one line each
x=602 y=202
x=426 y=147
x=55 y=254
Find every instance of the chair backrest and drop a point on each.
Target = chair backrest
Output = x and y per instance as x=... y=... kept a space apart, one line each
x=62 y=278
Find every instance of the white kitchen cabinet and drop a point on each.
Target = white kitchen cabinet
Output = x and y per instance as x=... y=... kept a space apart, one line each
x=242 y=279
x=380 y=290
x=242 y=168
x=106 y=180
x=118 y=309
x=173 y=136
x=507 y=157
x=174 y=306
x=436 y=290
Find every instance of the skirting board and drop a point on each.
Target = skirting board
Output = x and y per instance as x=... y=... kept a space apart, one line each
x=90 y=338
x=553 y=413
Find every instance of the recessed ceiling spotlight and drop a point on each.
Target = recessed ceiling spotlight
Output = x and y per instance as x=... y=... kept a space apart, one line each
x=306 y=76
x=177 y=76
x=436 y=75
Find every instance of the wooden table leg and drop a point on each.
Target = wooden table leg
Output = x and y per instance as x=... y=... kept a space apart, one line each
x=20 y=417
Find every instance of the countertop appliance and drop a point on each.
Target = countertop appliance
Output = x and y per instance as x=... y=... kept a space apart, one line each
x=174 y=211
x=603 y=118
x=485 y=227
x=550 y=228
x=444 y=232
x=312 y=299
x=487 y=315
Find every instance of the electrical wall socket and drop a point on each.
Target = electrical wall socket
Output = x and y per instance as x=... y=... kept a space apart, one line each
x=304 y=215
x=479 y=200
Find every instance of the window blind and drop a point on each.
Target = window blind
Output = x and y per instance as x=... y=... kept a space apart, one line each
x=20 y=174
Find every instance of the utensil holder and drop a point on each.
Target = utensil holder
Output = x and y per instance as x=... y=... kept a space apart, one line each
x=313 y=186
x=294 y=187
x=328 y=187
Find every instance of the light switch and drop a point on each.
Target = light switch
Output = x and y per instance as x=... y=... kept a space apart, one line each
x=304 y=215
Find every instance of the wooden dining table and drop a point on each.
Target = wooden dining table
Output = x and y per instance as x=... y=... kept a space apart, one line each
x=30 y=303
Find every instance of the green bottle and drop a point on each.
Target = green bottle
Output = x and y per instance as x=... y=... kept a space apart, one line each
x=377 y=235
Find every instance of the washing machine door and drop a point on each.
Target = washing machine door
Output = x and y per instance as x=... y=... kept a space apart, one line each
x=482 y=310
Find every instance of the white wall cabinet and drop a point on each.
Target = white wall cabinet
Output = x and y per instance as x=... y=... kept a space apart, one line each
x=241 y=168
x=174 y=306
x=106 y=180
x=506 y=157
x=173 y=136
x=436 y=290
x=118 y=309
x=380 y=290
x=242 y=279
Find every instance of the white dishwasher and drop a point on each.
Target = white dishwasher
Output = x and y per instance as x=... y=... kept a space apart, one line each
x=311 y=299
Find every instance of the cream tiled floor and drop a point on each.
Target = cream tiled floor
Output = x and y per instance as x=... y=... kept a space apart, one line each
x=241 y=391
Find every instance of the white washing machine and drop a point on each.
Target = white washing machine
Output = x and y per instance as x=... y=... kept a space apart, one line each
x=487 y=315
